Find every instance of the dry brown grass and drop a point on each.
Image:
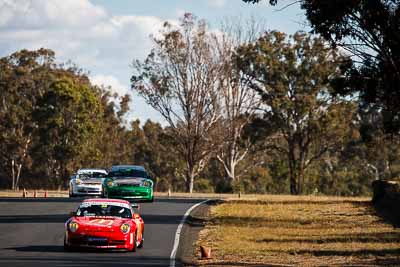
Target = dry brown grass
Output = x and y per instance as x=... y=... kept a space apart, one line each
x=305 y=231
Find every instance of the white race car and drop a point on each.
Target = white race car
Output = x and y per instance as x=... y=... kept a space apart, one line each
x=87 y=182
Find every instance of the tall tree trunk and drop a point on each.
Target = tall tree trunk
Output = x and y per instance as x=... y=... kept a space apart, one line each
x=293 y=183
x=301 y=171
x=301 y=180
x=13 y=175
x=17 y=167
x=292 y=170
x=229 y=167
x=190 y=181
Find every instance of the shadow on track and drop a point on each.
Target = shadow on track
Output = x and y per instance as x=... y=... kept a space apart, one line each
x=80 y=199
x=62 y=218
x=71 y=259
x=33 y=200
x=59 y=249
x=56 y=218
x=161 y=219
x=38 y=249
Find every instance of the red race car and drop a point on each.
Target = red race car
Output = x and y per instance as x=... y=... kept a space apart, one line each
x=104 y=223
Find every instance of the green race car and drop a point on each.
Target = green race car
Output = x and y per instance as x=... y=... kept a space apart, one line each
x=128 y=182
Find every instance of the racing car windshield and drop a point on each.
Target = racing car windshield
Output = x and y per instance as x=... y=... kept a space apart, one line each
x=92 y=175
x=103 y=209
x=128 y=173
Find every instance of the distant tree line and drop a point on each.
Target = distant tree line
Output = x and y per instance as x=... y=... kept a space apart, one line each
x=246 y=111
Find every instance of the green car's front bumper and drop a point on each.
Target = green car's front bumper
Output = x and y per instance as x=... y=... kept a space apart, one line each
x=129 y=192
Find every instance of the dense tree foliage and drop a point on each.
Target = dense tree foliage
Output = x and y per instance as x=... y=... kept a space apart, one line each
x=370 y=32
x=68 y=115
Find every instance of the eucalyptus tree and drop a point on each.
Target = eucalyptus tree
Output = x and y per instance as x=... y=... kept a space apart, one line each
x=180 y=79
x=68 y=116
x=24 y=77
x=292 y=77
x=370 y=32
x=238 y=102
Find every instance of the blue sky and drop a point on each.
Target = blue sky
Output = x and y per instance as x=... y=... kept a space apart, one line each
x=104 y=36
x=211 y=10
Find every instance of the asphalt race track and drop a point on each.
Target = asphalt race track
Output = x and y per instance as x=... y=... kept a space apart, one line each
x=32 y=234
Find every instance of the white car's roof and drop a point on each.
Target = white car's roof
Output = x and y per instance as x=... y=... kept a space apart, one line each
x=81 y=171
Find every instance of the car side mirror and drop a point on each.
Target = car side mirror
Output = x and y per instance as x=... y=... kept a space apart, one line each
x=136 y=206
x=72 y=214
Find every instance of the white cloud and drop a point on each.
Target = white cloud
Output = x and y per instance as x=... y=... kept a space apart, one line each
x=43 y=13
x=138 y=107
x=85 y=33
x=76 y=30
x=216 y=3
x=112 y=82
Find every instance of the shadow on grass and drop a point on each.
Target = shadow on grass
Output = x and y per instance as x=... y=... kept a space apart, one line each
x=348 y=238
x=232 y=264
x=299 y=202
x=363 y=252
x=321 y=223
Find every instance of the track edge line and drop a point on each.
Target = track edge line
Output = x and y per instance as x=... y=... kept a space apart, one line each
x=178 y=232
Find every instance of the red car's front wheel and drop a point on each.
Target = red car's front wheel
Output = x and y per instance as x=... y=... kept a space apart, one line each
x=141 y=241
x=134 y=245
x=66 y=246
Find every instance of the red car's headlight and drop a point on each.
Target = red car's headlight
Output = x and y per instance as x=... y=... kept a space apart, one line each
x=125 y=228
x=73 y=226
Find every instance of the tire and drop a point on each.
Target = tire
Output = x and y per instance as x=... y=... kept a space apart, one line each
x=71 y=193
x=141 y=241
x=134 y=243
x=66 y=246
x=103 y=193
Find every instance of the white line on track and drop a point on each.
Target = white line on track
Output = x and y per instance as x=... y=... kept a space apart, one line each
x=178 y=233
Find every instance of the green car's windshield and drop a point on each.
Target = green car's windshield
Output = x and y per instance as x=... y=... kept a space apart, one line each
x=103 y=210
x=128 y=173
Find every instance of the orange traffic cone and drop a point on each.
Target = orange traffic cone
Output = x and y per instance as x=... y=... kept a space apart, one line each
x=205 y=252
x=45 y=193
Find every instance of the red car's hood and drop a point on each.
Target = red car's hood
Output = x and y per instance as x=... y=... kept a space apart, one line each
x=104 y=224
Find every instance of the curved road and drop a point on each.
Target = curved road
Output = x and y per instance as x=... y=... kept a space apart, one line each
x=32 y=232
